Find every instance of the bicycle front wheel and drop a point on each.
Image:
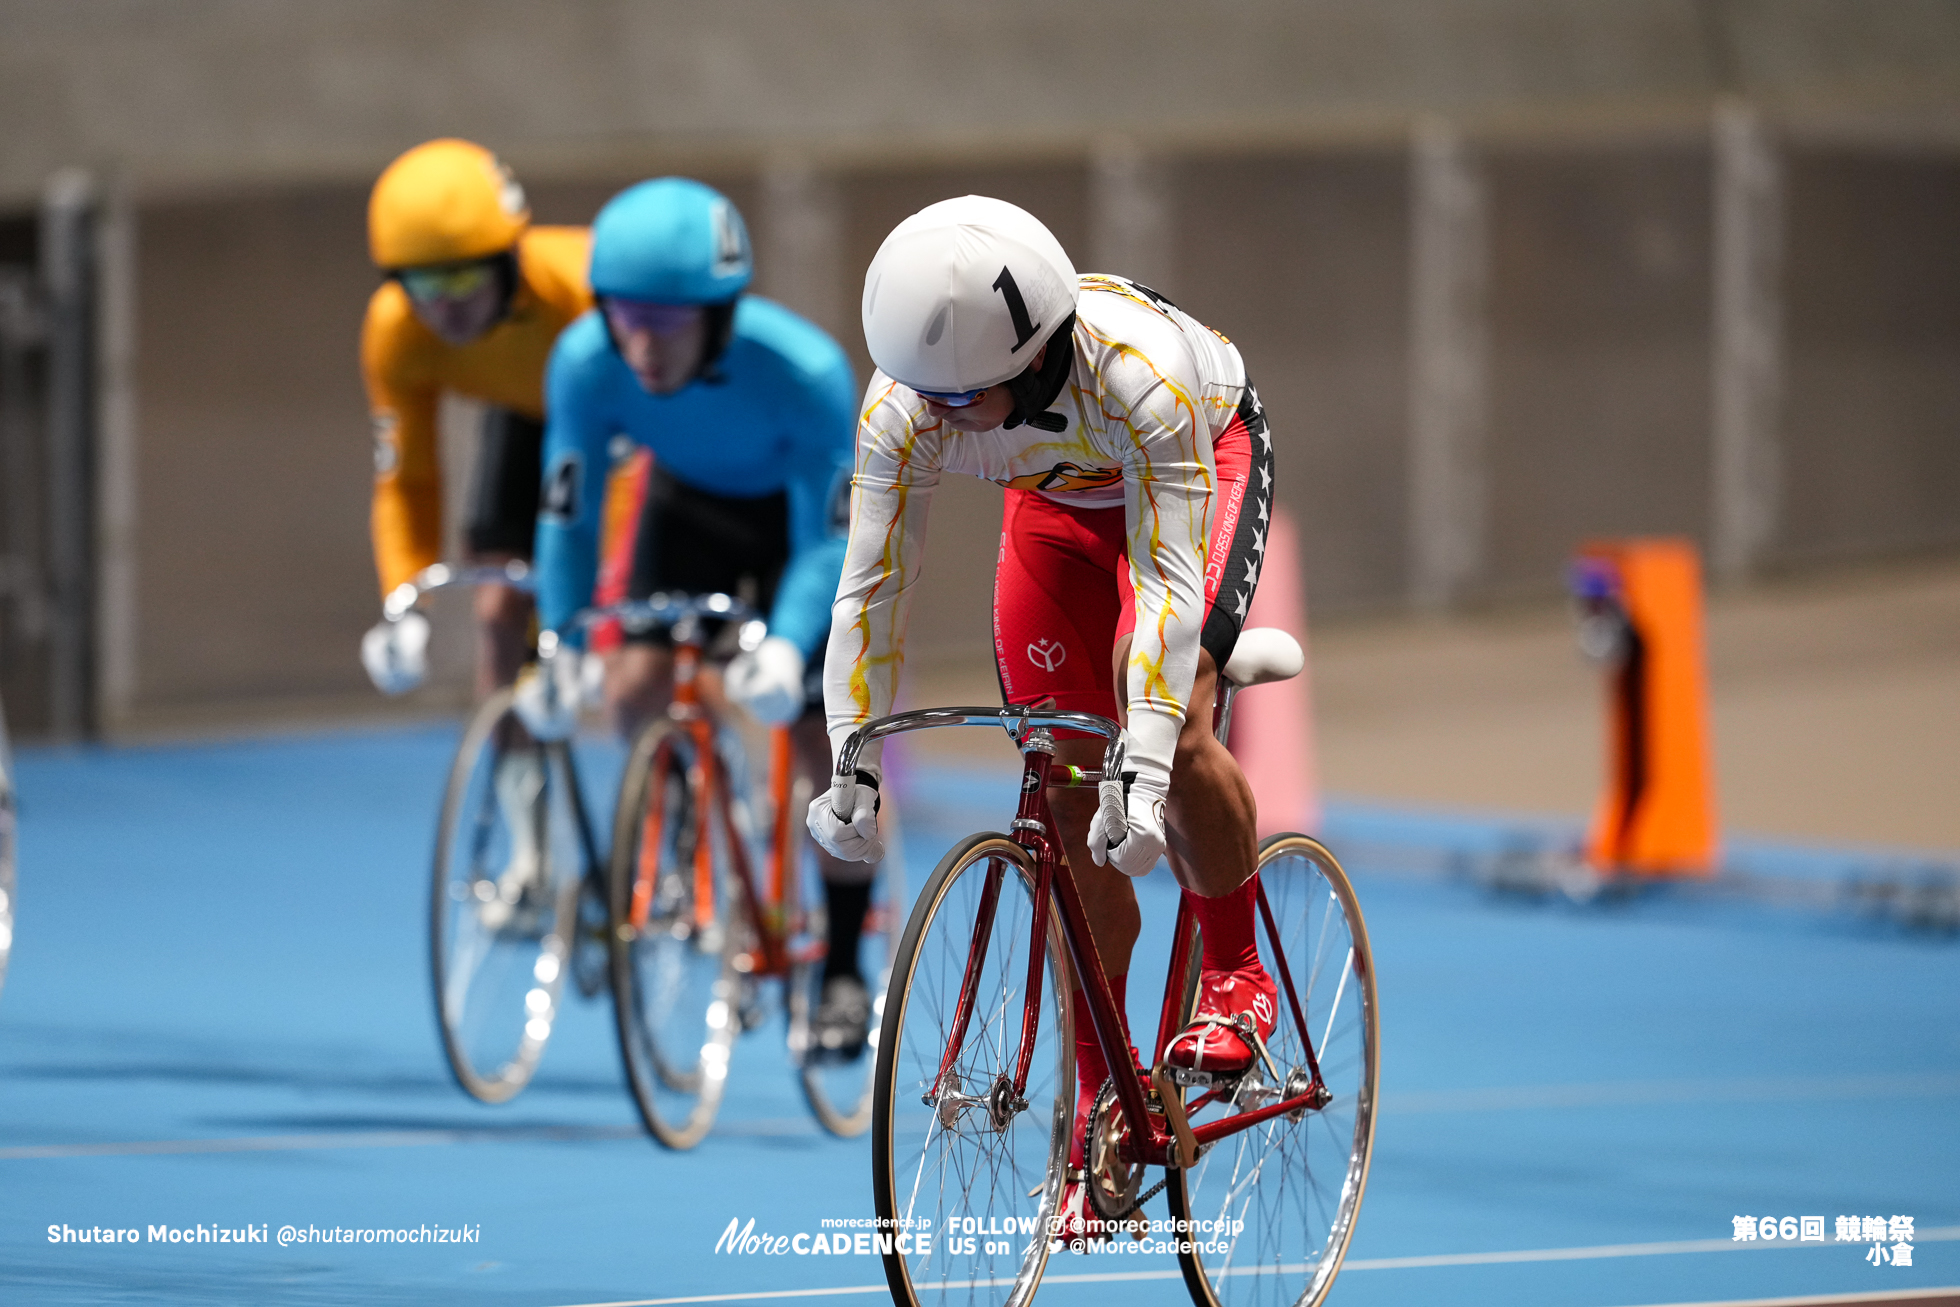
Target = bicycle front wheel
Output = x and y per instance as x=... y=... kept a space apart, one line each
x=676 y=993
x=508 y=862
x=1273 y=1207
x=968 y=1178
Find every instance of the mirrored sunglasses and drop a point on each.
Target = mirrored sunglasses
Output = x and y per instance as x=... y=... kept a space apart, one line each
x=644 y=315
x=448 y=282
x=953 y=398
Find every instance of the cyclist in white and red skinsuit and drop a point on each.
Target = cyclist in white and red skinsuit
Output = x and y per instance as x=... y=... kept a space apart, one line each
x=1138 y=471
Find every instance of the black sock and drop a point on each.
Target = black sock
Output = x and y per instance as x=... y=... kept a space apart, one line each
x=845 y=906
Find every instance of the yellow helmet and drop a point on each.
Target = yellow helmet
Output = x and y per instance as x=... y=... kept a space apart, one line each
x=443 y=202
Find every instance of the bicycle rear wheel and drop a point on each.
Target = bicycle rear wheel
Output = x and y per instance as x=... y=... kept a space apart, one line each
x=508 y=861
x=1275 y=1204
x=675 y=988
x=955 y=1160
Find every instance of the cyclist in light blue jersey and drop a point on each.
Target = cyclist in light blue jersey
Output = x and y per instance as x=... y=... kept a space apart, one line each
x=750 y=413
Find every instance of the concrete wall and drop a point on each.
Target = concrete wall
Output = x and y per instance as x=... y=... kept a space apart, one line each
x=1872 y=441
x=255 y=579
x=195 y=93
x=1472 y=253
x=1599 y=320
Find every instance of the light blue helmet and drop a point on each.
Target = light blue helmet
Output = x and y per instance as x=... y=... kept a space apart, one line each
x=671 y=240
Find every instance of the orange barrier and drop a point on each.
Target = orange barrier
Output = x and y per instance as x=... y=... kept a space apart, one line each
x=1641 y=604
x=1272 y=725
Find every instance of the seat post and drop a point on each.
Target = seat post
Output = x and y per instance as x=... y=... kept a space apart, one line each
x=1222 y=718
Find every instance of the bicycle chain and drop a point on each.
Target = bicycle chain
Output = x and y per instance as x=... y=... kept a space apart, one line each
x=1145 y=1197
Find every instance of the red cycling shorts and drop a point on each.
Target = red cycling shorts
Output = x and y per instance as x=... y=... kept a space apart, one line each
x=1062 y=595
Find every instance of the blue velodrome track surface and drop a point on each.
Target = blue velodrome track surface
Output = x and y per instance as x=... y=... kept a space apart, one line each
x=217 y=1013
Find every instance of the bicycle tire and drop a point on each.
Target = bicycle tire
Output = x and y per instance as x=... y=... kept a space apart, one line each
x=499 y=939
x=1033 y=1150
x=1322 y=1158
x=677 y=963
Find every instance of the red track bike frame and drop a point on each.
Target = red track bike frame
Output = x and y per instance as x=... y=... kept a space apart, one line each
x=1158 y=1134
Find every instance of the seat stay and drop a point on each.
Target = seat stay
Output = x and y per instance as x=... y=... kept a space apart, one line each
x=1286 y=984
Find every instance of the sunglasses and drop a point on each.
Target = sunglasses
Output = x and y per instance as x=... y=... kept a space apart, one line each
x=954 y=398
x=451 y=281
x=645 y=315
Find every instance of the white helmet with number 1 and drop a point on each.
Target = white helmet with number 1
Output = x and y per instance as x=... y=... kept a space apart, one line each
x=963 y=294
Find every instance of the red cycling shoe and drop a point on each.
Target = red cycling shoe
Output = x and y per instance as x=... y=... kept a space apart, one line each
x=1228 y=1002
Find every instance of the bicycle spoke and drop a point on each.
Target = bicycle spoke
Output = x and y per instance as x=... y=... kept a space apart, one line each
x=1295 y=1185
x=966 y=1162
x=500 y=929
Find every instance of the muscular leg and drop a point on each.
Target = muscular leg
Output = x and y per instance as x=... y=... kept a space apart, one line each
x=640 y=685
x=1210 y=816
x=1109 y=899
x=1211 y=831
x=503 y=630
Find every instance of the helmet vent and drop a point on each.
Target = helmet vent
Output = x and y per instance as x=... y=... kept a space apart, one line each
x=937 y=327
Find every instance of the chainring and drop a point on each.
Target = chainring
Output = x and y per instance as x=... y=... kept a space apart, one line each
x=1112 y=1180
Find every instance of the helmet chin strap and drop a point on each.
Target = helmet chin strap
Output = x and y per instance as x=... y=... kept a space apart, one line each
x=1036 y=388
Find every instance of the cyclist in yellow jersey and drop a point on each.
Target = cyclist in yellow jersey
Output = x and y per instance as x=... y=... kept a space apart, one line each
x=473 y=300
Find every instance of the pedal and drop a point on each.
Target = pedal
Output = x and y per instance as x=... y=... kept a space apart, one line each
x=1190 y=1079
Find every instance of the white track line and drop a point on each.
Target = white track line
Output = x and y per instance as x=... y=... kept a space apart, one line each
x=1933 y=1234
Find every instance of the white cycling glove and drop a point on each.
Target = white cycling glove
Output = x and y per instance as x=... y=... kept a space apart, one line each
x=768 y=681
x=550 y=693
x=853 y=837
x=396 y=654
x=1127 y=831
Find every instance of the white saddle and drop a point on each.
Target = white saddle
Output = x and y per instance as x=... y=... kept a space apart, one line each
x=1264 y=654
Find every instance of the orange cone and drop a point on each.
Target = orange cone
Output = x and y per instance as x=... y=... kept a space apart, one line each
x=1272 y=725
